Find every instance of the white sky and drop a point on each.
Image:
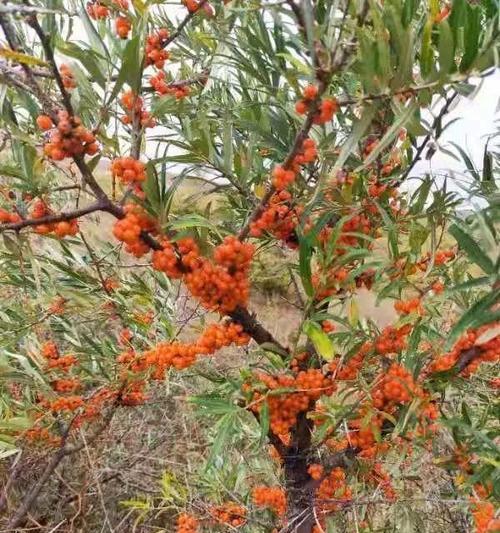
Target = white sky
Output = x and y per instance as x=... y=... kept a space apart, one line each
x=477 y=116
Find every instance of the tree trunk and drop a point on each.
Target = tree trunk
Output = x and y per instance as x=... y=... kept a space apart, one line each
x=299 y=485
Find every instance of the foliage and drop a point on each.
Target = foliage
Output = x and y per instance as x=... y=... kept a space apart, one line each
x=159 y=165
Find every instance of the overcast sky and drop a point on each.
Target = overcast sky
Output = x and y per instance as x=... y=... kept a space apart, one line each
x=477 y=116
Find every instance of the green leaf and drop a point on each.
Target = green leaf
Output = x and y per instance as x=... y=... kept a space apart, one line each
x=446 y=48
x=212 y=405
x=426 y=52
x=264 y=423
x=468 y=162
x=322 y=342
x=472 y=249
x=305 y=255
x=130 y=69
x=416 y=206
x=225 y=429
x=472 y=31
x=193 y=221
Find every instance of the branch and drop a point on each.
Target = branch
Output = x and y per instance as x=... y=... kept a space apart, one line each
x=338 y=58
x=10 y=34
x=183 y=24
x=49 y=53
x=49 y=219
x=435 y=124
x=297 y=144
x=467 y=356
x=259 y=334
x=248 y=321
x=200 y=78
x=64 y=450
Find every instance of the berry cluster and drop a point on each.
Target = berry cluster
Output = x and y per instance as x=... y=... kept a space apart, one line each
x=392 y=340
x=97 y=11
x=68 y=139
x=67 y=77
x=315 y=471
x=129 y=228
x=395 y=387
x=187 y=524
x=134 y=108
x=230 y=514
x=222 y=285
x=273 y=498
x=122 y=26
x=327 y=106
x=155 y=53
x=440 y=258
x=380 y=478
x=167 y=260
x=409 y=306
x=162 y=87
x=67 y=403
x=333 y=486
x=55 y=360
x=182 y=355
x=488 y=351
x=128 y=170
x=66 y=385
x=363 y=433
x=484 y=517
x=328 y=326
x=279 y=218
x=350 y=369
x=9 y=218
x=133 y=394
x=60 y=229
x=39 y=434
x=94 y=406
x=285 y=176
x=328 y=283
x=284 y=408
x=191 y=5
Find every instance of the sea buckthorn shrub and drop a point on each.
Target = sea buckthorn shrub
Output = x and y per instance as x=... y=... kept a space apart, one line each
x=152 y=157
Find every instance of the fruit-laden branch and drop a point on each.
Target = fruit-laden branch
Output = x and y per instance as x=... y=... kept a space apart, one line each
x=49 y=219
x=198 y=79
x=297 y=144
x=338 y=58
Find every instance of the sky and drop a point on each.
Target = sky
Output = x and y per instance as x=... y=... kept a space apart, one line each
x=476 y=122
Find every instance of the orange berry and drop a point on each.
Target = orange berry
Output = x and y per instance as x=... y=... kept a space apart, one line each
x=44 y=122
